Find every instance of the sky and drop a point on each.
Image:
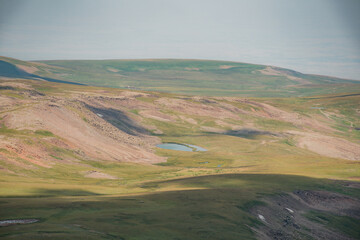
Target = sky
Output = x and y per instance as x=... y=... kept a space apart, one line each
x=310 y=36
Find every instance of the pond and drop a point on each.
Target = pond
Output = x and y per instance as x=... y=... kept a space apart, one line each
x=181 y=147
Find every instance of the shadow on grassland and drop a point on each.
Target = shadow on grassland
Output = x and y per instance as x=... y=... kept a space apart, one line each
x=250 y=133
x=119 y=120
x=205 y=207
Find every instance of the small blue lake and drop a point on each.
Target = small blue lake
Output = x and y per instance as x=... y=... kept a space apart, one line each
x=181 y=147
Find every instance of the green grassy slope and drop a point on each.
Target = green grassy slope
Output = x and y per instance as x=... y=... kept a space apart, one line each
x=199 y=77
x=194 y=77
x=209 y=207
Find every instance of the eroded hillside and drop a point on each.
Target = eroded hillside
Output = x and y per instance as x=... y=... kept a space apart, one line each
x=43 y=125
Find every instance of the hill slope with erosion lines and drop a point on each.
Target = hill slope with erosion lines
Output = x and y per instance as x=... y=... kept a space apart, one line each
x=120 y=125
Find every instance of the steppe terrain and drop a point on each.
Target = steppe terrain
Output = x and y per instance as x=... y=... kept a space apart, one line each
x=282 y=159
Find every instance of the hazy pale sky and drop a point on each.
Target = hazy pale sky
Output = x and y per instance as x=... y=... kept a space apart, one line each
x=311 y=36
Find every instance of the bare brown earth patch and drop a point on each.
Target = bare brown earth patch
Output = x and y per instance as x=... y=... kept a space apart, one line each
x=199 y=109
x=113 y=69
x=16 y=85
x=126 y=100
x=134 y=94
x=279 y=72
x=188 y=120
x=7 y=103
x=304 y=122
x=224 y=124
x=99 y=139
x=153 y=114
x=192 y=69
x=28 y=69
x=33 y=154
x=328 y=145
x=226 y=66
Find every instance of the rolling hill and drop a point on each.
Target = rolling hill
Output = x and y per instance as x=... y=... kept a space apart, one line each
x=191 y=77
x=83 y=162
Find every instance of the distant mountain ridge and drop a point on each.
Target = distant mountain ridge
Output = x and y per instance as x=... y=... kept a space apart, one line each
x=181 y=76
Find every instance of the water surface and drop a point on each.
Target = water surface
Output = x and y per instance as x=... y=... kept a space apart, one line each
x=197 y=148
x=181 y=147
